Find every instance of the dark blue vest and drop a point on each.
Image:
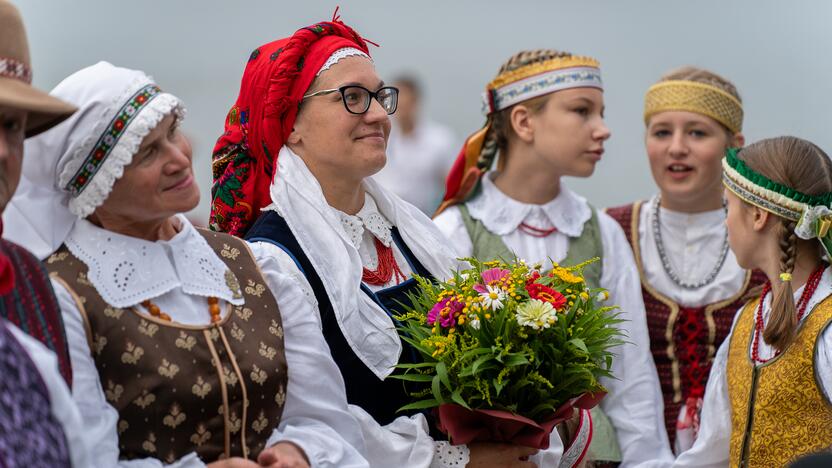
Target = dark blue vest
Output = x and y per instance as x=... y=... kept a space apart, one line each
x=380 y=398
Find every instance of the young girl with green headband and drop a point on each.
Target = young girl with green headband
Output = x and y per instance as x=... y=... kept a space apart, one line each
x=767 y=401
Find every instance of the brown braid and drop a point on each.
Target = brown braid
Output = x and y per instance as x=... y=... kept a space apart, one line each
x=783 y=320
x=496 y=140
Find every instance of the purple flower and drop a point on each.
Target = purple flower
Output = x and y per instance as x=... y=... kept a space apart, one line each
x=444 y=312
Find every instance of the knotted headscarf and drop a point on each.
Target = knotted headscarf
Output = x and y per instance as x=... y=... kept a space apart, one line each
x=276 y=77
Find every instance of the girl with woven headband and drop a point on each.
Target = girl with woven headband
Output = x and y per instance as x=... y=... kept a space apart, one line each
x=185 y=350
x=767 y=398
x=691 y=282
x=545 y=121
x=293 y=175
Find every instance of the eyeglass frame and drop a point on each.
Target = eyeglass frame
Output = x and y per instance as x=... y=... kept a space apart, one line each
x=342 y=89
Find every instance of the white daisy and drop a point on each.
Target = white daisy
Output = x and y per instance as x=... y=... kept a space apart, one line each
x=493 y=297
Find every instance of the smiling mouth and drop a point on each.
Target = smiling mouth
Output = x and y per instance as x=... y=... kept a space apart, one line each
x=679 y=168
x=372 y=135
x=182 y=183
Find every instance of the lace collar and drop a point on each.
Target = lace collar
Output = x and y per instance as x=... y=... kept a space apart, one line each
x=126 y=270
x=502 y=214
x=368 y=218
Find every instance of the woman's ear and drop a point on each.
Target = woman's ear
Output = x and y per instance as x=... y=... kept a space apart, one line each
x=738 y=140
x=520 y=121
x=294 y=137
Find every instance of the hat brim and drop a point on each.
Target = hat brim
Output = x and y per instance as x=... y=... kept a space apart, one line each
x=44 y=111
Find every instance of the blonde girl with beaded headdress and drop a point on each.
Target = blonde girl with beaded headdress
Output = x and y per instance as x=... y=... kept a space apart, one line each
x=767 y=400
x=691 y=282
x=545 y=121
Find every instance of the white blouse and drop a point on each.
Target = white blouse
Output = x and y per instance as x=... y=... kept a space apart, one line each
x=712 y=446
x=692 y=245
x=634 y=402
x=315 y=415
x=63 y=408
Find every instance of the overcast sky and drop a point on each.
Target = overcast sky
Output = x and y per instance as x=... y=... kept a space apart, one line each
x=777 y=53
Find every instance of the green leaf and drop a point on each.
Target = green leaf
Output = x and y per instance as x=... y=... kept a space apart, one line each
x=421 y=404
x=442 y=373
x=413 y=377
x=457 y=398
x=579 y=343
x=515 y=360
x=436 y=389
x=416 y=366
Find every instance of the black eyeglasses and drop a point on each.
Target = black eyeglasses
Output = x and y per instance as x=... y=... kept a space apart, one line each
x=357 y=99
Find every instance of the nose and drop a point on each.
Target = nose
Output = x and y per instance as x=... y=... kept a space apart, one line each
x=179 y=156
x=375 y=113
x=678 y=146
x=602 y=133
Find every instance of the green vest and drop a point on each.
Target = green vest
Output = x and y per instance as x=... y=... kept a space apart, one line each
x=487 y=246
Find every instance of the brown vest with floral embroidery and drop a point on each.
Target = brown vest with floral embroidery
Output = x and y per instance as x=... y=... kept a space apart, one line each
x=216 y=389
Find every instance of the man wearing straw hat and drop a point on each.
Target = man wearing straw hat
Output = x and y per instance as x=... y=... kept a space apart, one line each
x=39 y=423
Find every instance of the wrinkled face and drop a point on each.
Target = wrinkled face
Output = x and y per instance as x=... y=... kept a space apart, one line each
x=12 y=134
x=685 y=150
x=333 y=141
x=569 y=132
x=742 y=237
x=159 y=182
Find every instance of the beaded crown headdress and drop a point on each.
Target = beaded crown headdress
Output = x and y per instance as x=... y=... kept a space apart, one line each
x=691 y=96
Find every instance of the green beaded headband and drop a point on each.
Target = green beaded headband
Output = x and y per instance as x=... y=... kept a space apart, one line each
x=811 y=212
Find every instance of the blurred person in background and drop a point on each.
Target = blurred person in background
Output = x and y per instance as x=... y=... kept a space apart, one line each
x=420 y=151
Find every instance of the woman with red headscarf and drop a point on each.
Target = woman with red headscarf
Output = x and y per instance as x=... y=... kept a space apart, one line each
x=292 y=175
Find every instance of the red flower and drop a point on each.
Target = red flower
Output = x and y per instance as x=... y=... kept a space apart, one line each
x=546 y=294
x=531 y=279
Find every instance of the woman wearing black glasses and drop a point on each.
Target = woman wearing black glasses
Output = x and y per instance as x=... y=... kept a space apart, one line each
x=293 y=176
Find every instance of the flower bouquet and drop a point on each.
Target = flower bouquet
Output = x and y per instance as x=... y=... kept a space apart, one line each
x=508 y=351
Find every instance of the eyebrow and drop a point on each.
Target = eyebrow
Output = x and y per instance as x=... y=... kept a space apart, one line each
x=355 y=83
x=582 y=98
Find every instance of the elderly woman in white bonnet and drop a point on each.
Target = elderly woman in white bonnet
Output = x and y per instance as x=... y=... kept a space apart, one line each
x=179 y=344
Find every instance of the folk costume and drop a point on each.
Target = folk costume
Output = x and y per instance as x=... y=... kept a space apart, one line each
x=185 y=350
x=358 y=267
x=763 y=407
x=39 y=423
x=482 y=222
x=690 y=280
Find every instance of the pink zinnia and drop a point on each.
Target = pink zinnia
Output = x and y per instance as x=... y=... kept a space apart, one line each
x=494 y=275
x=445 y=312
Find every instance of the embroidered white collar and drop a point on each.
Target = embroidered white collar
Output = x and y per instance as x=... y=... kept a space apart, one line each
x=126 y=270
x=501 y=214
x=368 y=218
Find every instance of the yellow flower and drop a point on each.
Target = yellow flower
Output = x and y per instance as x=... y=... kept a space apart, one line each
x=566 y=276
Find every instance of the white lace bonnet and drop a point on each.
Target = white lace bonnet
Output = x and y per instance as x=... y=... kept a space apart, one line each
x=70 y=170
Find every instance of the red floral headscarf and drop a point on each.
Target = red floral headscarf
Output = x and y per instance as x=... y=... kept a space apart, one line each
x=276 y=77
